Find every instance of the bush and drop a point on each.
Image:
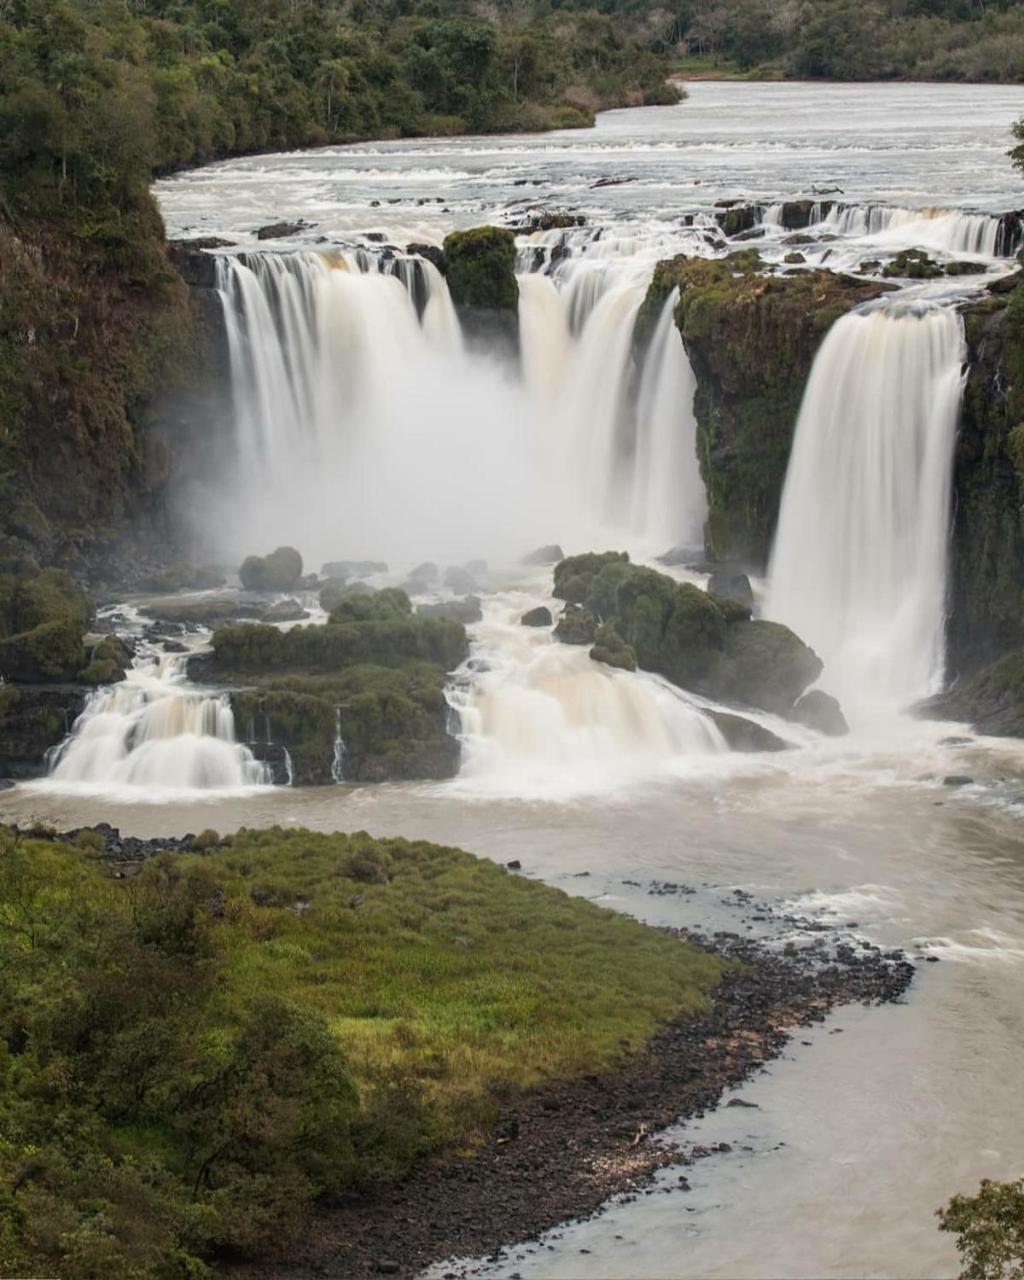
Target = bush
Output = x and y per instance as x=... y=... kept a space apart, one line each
x=989 y=1228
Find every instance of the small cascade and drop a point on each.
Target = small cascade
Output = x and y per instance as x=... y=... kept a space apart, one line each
x=669 y=503
x=153 y=732
x=541 y=718
x=858 y=568
x=289 y=768
x=338 y=763
x=946 y=230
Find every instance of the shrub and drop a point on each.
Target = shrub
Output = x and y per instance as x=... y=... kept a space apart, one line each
x=279 y=571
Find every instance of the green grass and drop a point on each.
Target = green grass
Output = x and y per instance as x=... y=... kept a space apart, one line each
x=190 y=1056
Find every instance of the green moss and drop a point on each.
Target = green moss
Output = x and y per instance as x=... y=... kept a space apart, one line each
x=481 y=268
x=280 y=571
x=682 y=633
x=42 y=624
x=912 y=264
x=751 y=339
x=612 y=650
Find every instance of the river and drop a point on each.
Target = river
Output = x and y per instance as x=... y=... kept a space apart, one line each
x=873 y=1120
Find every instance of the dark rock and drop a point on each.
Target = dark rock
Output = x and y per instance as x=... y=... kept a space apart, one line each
x=820 y=711
x=912 y=264
x=422 y=578
x=957 y=780
x=285 y=611
x=538 y=617
x=742 y=734
x=194 y=264
x=576 y=626
x=731 y=586
x=514 y=865
x=460 y=580
x=794 y=258
x=34 y=718
x=467 y=611
x=432 y=252
x=281 y=230
x=545 y=555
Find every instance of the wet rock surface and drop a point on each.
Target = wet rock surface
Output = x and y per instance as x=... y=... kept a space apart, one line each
x=560 y=1152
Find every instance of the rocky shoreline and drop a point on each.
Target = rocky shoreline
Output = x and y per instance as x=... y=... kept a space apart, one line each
x=561 y=1152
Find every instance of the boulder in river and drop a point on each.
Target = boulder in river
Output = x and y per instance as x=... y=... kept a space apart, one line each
x=280 y=571
x=551 y=554
x=820 y=711
x=281 y=230
x=742 y=734
x=538 y=617
x=576 y=626
x=731 y=586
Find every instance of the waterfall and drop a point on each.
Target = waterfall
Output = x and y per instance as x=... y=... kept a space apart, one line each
x=153 y=733
x=542 y=719
x=364 y=427
x=338 y=763
x=669 y=504
x=858 y=569
x=946 y=230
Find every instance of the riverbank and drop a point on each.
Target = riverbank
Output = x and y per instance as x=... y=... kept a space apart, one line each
x=560 y=1152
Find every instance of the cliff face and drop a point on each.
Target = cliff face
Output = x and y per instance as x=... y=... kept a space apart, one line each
x=987 y=570
x=92 y=337
x=751 y=338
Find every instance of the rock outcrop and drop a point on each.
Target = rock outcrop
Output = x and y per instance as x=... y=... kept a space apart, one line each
x=751 y=338
x=481 y=269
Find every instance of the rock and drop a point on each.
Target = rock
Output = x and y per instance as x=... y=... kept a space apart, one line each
x=912 y=264
x=680 y=556
x=538 y=617
x=286 y=611
x=482 y=282
x=422 y=578
x=957 y=780
x=467 y=611
x=576 y=626
x=34 y=718
x=195 y=266
x=742 y=734
x=751 y=339
x=550 y=554
x=432 y=252
x=204 y=612
x=281 y=230
x=548 y=220
x=794 y=258
x=819 y=710
x=610 y=649
x=280 y=571
x=43 y=619
x=459 y=580
x=731 y=586
x=514 y=865
x=345 y=569
x=682 y=633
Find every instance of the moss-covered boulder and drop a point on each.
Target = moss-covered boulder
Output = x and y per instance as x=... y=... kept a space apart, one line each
x=912 y=264
x=481 y=274
x=610 y=649
x=993 y=701
x=576 y=626
x=675 y=629
x=280 y=571
x=751 y=338
x=34 y=719
x=393 y=724
x=43 y=619
x=987 y=570
x=108 y=662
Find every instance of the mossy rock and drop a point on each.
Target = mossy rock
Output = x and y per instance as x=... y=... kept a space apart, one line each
x=108 y=663
x=751 y=338
x=481 y=268
x=42 y=626
x=611 y=650
x=280 y=571
x=684 y=634
x=912 y=264
x=381 y=606
x=576 y=626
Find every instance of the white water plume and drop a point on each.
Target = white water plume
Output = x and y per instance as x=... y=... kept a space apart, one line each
x=154 y=734
x=541 y=719
x=858 y=568
x=945 y=230
x=363 y=427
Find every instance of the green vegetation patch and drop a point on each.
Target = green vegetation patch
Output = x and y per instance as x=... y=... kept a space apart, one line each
x=696 y=640
x=42 y=625
x=481 y=268
x=189 y=1056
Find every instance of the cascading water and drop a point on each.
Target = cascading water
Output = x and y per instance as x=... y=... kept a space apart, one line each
x=947 y=230
x=362 y=423
x=859 y=563
x=539 y=718
x=152 y=733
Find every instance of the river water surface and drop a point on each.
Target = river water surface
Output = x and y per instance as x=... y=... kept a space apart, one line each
x=873 y=1120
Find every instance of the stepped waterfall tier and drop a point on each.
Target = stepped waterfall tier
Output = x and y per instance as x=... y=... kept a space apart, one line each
x=860 y=557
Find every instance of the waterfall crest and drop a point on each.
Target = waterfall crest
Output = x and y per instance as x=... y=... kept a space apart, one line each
x=858 y=569
x=362 y=423
x=153 y=733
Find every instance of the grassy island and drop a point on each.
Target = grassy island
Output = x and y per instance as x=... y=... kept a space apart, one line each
x=195 y=1048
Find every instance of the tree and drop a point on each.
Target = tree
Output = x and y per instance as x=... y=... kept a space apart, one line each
x=990 y=1230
